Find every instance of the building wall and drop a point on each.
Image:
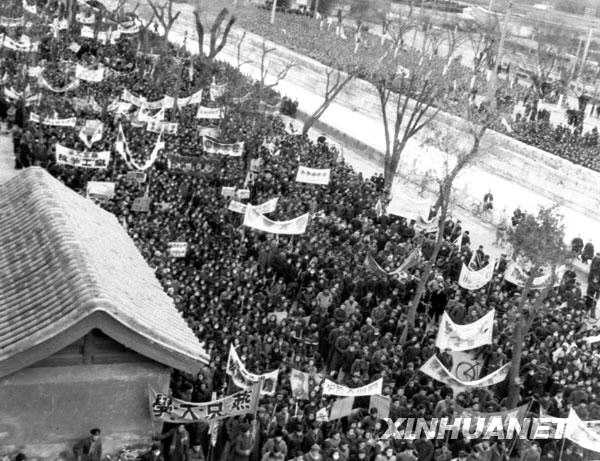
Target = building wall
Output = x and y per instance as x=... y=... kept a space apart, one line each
x=45 y=410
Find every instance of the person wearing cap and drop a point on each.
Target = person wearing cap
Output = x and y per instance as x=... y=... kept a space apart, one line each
x=195 y=452
x=462 y=456
x=276 y=442
x=154 y=454
x=90 y=448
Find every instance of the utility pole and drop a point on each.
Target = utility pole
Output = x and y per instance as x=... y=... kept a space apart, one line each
x=491 y=95
x=273 y=11
x=585 y=52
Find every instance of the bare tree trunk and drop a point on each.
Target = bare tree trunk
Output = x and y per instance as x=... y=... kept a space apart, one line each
x=330 y=95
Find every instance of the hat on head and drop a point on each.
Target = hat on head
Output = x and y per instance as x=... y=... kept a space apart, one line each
x=95 y=431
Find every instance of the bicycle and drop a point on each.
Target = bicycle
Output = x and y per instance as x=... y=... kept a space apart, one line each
x=483 y=213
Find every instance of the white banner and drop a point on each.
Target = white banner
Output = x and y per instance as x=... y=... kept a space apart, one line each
x=177 y=249
x=216 y=91
x=89 y=75
x=135 y=100
x=212 y=147
x=313 y=175
x=68 y=87
x=157 y=126
x=331 y=388
x=91 y=132
x=257 y=221
x=34 y=71
x=464 y=337
x=70 y=122
x=209 y=113
x=66 y=156
x=267 y=207
x=100 y=190
x=474 y=280
x=120 y=107
x=244 y=379
x=87 y=32
x=31 y=9
x=436 y=370
x=134 y=29
x=195 y=98
x=24 y=46
x=516 y=275
x=11 y=22
x=577 y=431
x=122 y=148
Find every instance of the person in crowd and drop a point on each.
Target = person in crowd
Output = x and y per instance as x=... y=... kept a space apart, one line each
x=89 y=448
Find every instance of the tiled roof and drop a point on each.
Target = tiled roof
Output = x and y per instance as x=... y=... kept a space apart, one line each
x=66 y=267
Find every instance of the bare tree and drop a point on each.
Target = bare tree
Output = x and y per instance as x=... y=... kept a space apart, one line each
x=264 y=70
x=463 y=155
x=240 y=63
x=218 y=34
x=164 y=15
x=407 y=96
x=455 y=37
x=483 y=36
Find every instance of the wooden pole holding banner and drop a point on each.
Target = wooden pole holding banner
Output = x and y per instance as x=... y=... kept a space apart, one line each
x=562 y=448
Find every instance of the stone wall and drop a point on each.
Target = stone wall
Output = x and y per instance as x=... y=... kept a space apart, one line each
x=44 y=411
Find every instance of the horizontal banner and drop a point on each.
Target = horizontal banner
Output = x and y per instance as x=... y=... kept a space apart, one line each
x=331 y=388
x=267 y=207
x=66 y=156
x=257 y=221
x=313 y=175
x=89 y=75
x=209 y=113
x=465 y=337
x=102 y=190
x=70 y=122
x=212 y=147
x=171 y=410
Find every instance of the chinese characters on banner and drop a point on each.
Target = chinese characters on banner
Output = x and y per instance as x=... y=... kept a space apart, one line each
x=70 y=122
x=244 y=379
x=267 y=207
x=172 y=410
x=177 y=249
x=89 y=75
x=209 y=113
x=464 y=337
x=156 y=126
x=313 y=175
x=66 y=156
x=212 y=147
x=331 y=388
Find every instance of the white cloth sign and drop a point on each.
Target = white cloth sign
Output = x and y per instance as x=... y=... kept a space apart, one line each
x=122 y=148
x=257 y=221
x=11 y=22
x=87 y=32
x=35 y=71
x=578 y=432
x=177 y=249
x=102 y=190
x=516 y=275
x=313 y=175
x=70 y=122
x=436 y=370
x=157 y=126
x=66 y=156
x=216 y=91
x=244 y=379
x=24 y=45
x=209 y=113
x=474 y=280
x=331 y=388
x=212 y=147
x=85 y=19
x=267 y=207
x=464 y=337
x=68 y=87
x=89 y=75
x=91 y=132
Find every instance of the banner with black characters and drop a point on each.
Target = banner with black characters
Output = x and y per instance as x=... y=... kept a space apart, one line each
x=244 y=379
x=171 y=410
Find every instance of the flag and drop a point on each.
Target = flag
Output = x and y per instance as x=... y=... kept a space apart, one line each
x=474 y=280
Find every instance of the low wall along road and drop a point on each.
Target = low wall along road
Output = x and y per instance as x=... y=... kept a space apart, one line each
x=516 y=173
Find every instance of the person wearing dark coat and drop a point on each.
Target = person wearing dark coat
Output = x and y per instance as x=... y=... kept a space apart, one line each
x=154 y=454
x=588 y=252
x=90 y=448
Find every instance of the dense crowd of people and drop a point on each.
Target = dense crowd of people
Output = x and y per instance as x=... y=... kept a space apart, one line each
x=305 y=302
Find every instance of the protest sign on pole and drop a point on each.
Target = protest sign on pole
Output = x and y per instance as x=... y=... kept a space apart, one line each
x=341 y=408
x=331 y=388
x=177 y=249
